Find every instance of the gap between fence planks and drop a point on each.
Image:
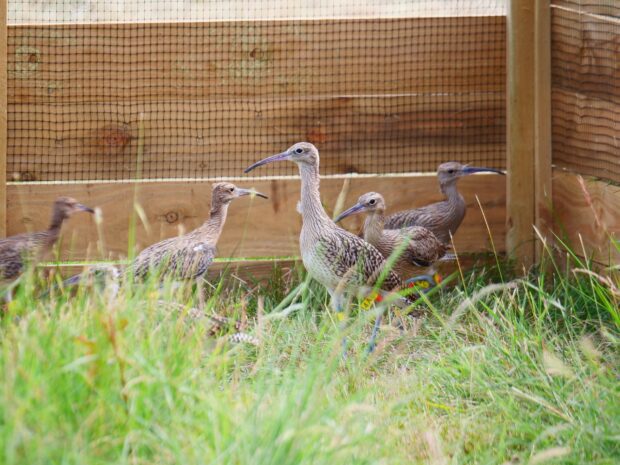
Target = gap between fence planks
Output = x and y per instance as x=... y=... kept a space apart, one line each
x=210 y=138
x=255 y=227
x=137 y=62
x=591 y=212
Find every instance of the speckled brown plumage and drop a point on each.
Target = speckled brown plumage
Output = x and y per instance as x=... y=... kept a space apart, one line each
x=339 y=260
x=416 y=245
x=442 y=218
x=16 y=252
x=189 y=256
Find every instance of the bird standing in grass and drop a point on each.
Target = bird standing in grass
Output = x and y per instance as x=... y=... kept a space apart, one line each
x=416 y=246
x=442 y=218
x=342 y=262
x=29 y=248
x=181 y=258
x=189 y=256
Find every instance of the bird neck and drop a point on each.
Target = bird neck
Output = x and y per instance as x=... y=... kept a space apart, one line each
x=212 y=228
x=56 y=222
x=451 y=192
x=311 y=207
x=373 y=226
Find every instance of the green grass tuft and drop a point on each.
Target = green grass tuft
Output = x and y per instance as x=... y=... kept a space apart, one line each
x=524 y=371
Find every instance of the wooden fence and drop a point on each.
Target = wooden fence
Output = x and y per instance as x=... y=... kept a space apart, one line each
x=454 y=110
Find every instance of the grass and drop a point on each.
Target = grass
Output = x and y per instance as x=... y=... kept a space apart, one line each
x=524 y=371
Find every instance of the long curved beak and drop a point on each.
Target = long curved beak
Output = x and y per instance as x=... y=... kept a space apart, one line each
x=477 y=169
x=251 y=192
x=357 y=208
x=271 y=159
x=84 y=208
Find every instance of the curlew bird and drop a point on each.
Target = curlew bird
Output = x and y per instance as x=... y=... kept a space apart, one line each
x=342 y=262
x=16 y=252
x=442 y=218
x=186 y=257
x=416 y=246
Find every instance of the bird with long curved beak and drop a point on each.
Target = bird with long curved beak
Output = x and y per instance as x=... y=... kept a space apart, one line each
x=442 y=218
x=16 y=251
x=342 y=262
x=416 y=245
x=188 y=257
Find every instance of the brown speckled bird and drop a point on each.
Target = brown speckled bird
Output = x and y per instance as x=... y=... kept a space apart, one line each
x=416 y=245
x=339 y=260
x=189 y=256
x=18 y=251
x=442 y=218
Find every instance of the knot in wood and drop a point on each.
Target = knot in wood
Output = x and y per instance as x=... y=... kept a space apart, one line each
x=171 y=217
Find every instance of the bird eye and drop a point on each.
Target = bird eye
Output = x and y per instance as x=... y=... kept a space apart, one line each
x=372 y=201
x=450 y=171
x=232 y=189
x=299 y=150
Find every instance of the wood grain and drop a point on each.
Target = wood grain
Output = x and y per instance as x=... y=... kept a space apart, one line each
x=588 y=212
x=137 y=62
x=586 y=54
x=542 y=120
x=585 y=134
x=521 y=131
x=255 y=227
x=210 y=138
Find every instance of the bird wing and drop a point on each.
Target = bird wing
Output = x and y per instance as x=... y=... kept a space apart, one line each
x=432 y=217
x=423 y=247
x=357 y=261
x=176 y=257
x=14 y=253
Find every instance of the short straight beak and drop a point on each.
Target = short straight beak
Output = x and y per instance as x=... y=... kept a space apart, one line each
x=271 y=159
x=476 y=169
x=250 y=192
x=351 y=211
x=84 y=208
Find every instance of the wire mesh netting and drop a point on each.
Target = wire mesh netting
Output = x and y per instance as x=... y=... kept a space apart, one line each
x=109 y=90
x=585 y=57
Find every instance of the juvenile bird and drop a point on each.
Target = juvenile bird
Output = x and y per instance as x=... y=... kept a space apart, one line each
x=189 y=256
x=186 y=257
x=442 y=218
x=18 y=251
x=415 y=245
x=342 y=262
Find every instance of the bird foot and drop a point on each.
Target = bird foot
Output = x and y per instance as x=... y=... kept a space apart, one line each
x=424 y=283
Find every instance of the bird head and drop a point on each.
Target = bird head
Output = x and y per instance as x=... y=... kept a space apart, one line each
x=64 y=207
x=451 y=171
x=226 y=192
x=369 y=202
x=300 y=153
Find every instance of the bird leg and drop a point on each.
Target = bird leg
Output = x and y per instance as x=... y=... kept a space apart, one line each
x=375 y=331
x=200 y=289
x=338 y=301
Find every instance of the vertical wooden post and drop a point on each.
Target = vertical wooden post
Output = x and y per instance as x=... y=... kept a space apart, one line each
x=542 y=148
x=520 y=130
x=3 y=114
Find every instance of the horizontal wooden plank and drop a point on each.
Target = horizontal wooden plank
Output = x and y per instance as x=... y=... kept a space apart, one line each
x=206 y=138
x=255 y=227
x=590 y=210
x=609 y=8
x=585 y=134
x=136 y=62
x=585 y=52
x=265 y=270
